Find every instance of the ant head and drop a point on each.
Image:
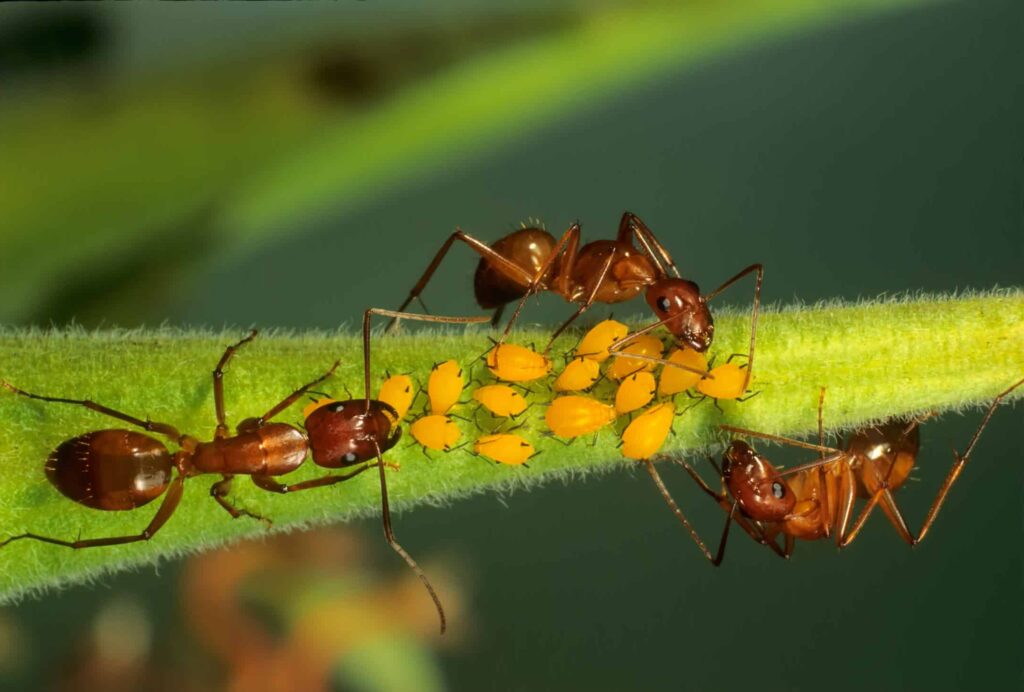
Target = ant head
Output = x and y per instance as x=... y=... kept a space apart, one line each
x=757 y=487
x=679 y=302
x=346 y=433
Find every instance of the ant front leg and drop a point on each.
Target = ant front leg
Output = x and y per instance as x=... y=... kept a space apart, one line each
x=759 y=269
x=631 y=226
x=160 y=428
x=219 y=492
x=269 y=484
x=588 y=301
x=481 y=248
x=296 y=395
x=167 y=507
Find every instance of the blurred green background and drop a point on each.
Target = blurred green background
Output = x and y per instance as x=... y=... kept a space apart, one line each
x=261 y=164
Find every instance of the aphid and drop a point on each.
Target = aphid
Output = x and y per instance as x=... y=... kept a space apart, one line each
x=398 y=391
x=514 y=363
x=117 y=469
x=643 y=437
x=436 y=432
x=595 y=343
x=530 y=260
x=500 y=399
x=572 y=416
x=726 y=381
x=635 y=392
x=816 y=500
x=506 y=448
x=675 y=380
x=580 y=374
x=444 y=386
x=647 y=346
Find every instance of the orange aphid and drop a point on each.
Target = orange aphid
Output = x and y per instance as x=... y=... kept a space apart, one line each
x=444 y=386
x=397 y=391
x=581 y=373
x=636 y=391
x=644 y=345
x=675 y=380
x=504 y=448
x=500 y=399
x=730 y=382
x=514 y=363
x=572 y=416
x=314 y=405
x=594 y=345
x=435 y=432
x=646 y=434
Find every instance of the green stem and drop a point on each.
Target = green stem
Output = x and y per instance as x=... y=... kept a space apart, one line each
x=876 y=360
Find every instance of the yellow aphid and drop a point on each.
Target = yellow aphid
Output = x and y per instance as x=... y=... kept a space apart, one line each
x=314 y=405
x=730 y=382
x=517 y=363
x=644 y=345
x=595 y=343
x=505 y=449
x=500 y=399
x=579 y=374
x=644 y=436
x=435 y=432
x=636 y=391
x=675 y=380
x=572 y=416
x=444 y=387
x=397 y=391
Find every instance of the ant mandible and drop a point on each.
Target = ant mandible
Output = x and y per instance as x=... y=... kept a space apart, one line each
x=818 y=498
x=118 y=469
x=530 y=260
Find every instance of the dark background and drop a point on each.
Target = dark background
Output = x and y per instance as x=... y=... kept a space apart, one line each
x=878 y=156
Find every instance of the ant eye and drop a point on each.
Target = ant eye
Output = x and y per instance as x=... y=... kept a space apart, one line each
x=663 y=304
x=778 y=490
x=335 y=407
x=351 y=457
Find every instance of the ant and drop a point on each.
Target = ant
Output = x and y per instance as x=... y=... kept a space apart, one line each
x=530 y=260
x=817 y=501
x=116 y=469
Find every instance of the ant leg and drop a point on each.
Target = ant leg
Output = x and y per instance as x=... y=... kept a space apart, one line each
x=567 y=244
x=496 y=317
x=148 y=425
x=960 y=460
x=296 y=395
x=632 y=225
x=753 y=315
x=219 y=492
x=499 y=261
x=394 y=314
x=844 y=510
x=660 y=484
x=821 y=472
x=167 y=507
x=269 y=484
x=218 y=383
x=389 y=536
x=585 y=305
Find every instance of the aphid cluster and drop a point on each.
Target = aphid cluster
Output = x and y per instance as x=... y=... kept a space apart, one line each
x=613 y=382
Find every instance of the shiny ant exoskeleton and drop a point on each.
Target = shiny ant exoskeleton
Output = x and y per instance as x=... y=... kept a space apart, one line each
x=117 y=469
x=816 y=500
x=530 y=260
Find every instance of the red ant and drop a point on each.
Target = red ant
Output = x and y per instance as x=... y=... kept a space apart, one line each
x=121 y=469
x=817 y=499
x=530 y=260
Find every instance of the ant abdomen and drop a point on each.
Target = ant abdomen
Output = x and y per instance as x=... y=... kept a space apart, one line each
x=528 y=248
x=110 y=469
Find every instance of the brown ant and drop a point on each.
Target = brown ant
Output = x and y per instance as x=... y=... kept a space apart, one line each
x=816 y=500
x=118 y=469
x=530 y=260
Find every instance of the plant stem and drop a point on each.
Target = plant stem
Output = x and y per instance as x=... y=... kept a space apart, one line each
x=877 y=360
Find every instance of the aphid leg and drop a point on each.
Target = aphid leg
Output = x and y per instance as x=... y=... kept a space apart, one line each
x=389 y=536
x=296 y=395
x=660 y=484
x=219 y=492
x=499 y=261
x=167 y=507
x=148 y=425
x=218 y=383
x=753 y=315
x=960 y=460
